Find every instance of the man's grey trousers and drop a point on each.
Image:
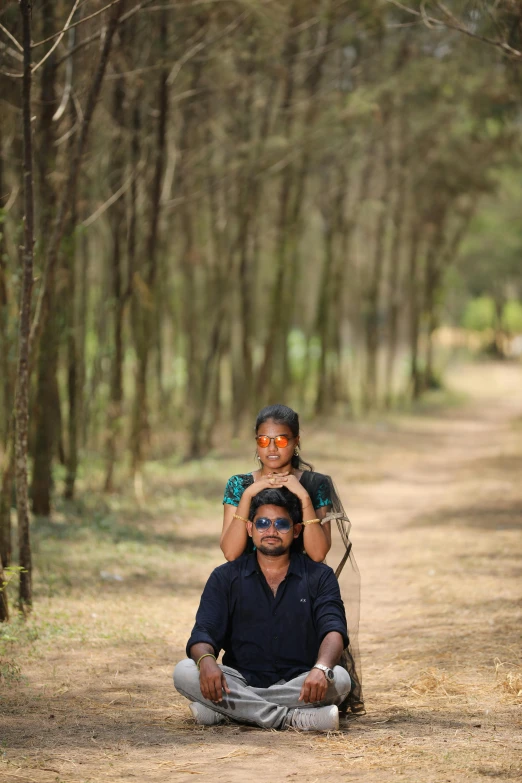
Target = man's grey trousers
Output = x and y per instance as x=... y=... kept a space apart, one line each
x=264 y=707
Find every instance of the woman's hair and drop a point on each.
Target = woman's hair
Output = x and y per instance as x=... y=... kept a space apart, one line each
x=282 y=414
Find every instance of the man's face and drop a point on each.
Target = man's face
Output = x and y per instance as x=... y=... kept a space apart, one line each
x=271 y=541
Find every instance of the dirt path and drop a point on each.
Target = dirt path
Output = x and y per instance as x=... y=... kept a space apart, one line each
x=436 y=503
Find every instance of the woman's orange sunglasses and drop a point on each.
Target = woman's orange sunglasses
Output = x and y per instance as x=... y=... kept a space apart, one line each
x=281 y=441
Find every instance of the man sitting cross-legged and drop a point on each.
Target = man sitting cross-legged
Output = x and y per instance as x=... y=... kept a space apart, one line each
x=280 y=620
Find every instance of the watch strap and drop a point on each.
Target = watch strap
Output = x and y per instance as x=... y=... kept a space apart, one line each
x=324 y=669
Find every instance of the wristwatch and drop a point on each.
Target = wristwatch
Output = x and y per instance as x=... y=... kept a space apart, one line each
x=328 y=673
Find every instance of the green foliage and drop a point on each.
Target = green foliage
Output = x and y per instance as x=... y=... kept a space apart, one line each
x=512 y=317
x=479 y=314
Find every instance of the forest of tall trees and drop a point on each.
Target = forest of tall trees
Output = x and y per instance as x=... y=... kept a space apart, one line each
x=235 y=202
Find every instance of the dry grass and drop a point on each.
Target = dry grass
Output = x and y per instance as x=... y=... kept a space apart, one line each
x=438 y=543
x=509 y=679
x=437 y=683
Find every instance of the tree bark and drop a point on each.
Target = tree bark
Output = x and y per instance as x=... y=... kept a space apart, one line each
x=414 y=309
x=46 y=429
x=394 y=288
x=7 y=395
x=73 y=354
x=117 y=291
x=431 y=291
x=6 y=493
x=373 y=326
x=6 y=373
x=140 y=415
x=4 y=605
x=22 y=387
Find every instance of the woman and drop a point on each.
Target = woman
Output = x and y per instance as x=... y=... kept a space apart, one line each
x=278 y=444
x=277 y=437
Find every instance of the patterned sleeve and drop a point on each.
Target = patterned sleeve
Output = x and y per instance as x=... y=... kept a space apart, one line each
x=233 y=491
x=322 y=495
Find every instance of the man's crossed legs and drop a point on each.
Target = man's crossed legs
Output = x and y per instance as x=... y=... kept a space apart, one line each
x=268 y=708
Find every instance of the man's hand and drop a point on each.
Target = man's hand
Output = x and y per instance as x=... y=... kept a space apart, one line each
x=212 y=680
x=314 y=687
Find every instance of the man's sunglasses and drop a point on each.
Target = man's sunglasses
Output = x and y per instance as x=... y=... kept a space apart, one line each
x=282 y=524
x=281 y=441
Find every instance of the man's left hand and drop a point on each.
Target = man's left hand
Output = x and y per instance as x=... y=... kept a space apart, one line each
x=314 y=687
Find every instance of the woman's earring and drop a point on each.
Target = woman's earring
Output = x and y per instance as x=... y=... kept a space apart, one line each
x=296 y=451
x=258 y=457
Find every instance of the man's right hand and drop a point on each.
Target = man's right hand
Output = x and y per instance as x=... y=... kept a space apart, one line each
x=212 y=681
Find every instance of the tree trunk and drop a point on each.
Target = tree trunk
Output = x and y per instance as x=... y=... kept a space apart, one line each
x=394 y=287
x=45 y=418
x=373 y=326
x=73 y=354
x=4 y=605
x=81 y=329
x=140 y=418
x=6 y=373
x=117 y=295
x=414 y=310
x=22 y=387
x=7 y=395
x=431 y=289
x=6 y=494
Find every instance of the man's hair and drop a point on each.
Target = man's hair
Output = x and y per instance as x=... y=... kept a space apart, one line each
x=278 y=497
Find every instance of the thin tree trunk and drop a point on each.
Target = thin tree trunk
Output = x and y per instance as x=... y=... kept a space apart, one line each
x=432 y=283
x=7 y=394
x=140 y=417
x=395 y=256
x=132 y=251
x=22 y=387
x=84 y=257
x=117 y=293
x=4 y=605
x=6 y=493
x=414 y=310
x=373 y=295
x=328 y=319
x=6 y=374
x=322 y=325
x=44 y=409
x=73 y=357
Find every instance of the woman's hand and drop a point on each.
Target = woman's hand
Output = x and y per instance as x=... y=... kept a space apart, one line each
x=268 y=481
x=294 y=485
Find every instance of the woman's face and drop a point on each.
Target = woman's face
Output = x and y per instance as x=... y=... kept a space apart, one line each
x=271 y=456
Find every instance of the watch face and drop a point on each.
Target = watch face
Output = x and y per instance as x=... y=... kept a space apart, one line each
x=330 y=675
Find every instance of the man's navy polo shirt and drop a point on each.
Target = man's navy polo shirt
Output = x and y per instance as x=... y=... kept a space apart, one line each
x=269 y=638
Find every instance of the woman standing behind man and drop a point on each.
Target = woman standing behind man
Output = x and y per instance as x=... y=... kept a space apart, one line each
x=280 y=465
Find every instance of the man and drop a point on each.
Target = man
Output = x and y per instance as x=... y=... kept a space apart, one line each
x=280 y=620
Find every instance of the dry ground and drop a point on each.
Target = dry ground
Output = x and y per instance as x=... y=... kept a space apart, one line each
x=436 y=503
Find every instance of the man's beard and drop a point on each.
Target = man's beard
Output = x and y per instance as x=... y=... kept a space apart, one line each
x=274 y=551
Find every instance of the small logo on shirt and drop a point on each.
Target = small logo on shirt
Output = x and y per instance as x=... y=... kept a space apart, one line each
x=303 y=600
